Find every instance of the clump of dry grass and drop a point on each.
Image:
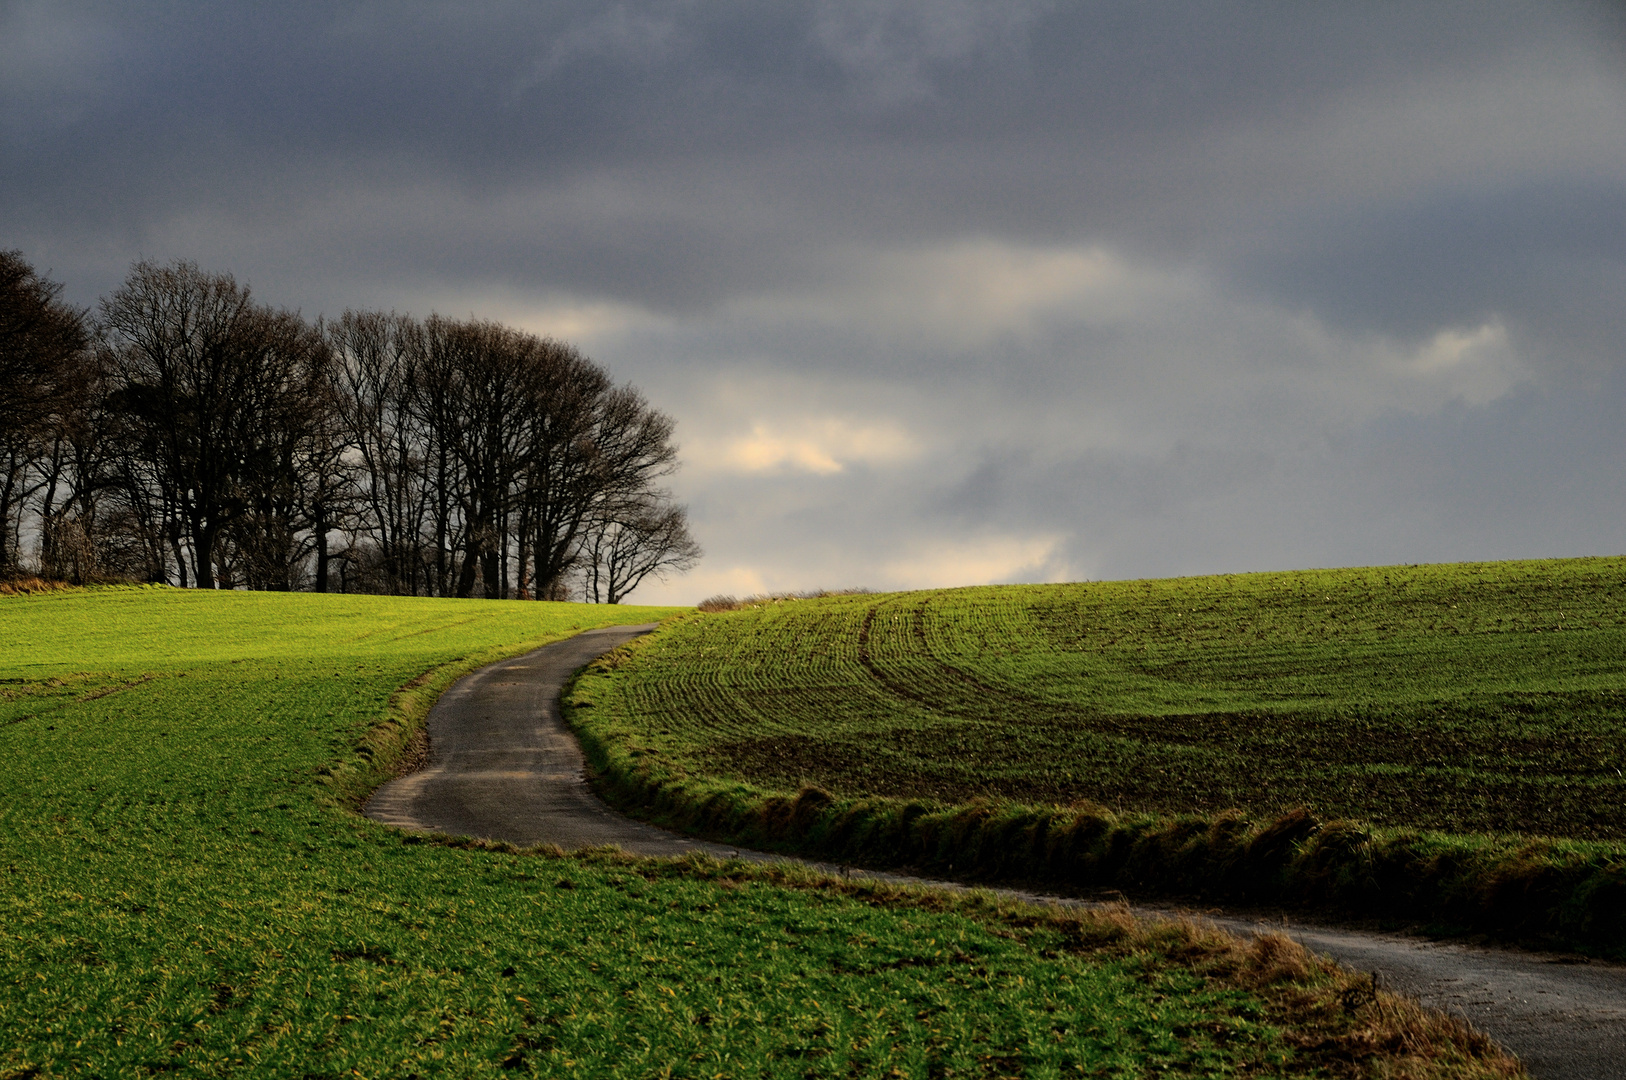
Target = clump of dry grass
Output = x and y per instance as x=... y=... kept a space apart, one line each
x=29 y=585
x=725 y=602
x=33 y=585
x=1343 y=1020
x=1346 y=1019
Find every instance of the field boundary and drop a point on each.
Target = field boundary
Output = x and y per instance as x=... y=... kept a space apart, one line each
x=1546 y=893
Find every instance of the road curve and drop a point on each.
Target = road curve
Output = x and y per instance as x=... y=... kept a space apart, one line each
x=503 y=766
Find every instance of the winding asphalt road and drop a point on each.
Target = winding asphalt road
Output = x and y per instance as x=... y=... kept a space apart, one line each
x=503 y=766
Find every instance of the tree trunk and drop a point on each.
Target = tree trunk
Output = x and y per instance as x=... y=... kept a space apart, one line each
x=488 y=568
x=321 y=555
x=203 y=556
x=180 y=556
x=522 y=583
x=471 y=565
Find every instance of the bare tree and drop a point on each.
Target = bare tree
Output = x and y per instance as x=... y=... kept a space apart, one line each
x=563 y=470
x=629 y=541
x=77 y=542
x=204 y=378
x=491 y=376
x=330 y=496
x=291 y=481
x=594 y=447
x=375 y=380
x=214 y=441
x=538 y=439
x=440 y=402
x=42 y=350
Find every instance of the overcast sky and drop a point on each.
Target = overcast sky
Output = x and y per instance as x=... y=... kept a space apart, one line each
x=940 y=293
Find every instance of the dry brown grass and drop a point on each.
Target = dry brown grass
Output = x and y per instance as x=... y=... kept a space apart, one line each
x=33 y=585
x=725 y=602
x=1343 y=1020
x=29 y=586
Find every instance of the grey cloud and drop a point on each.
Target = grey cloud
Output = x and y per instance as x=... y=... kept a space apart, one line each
x=1477 y=252
x=733 y=140
x=822 y=205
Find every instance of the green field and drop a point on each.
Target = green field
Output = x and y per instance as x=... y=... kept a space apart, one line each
x=1478 y=698
x=187 y=891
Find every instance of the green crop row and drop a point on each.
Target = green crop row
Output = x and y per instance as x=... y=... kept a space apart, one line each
x=1152 y=735
x=184 y=891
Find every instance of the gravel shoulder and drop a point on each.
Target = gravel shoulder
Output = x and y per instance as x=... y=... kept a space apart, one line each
x=503 y=766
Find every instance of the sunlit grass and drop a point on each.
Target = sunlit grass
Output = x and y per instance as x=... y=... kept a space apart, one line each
x=1470 y=697
x=184 y=891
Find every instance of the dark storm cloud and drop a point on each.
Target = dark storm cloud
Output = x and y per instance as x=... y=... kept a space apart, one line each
x=1478 y=252
x=893 y=120
x=1105 y=288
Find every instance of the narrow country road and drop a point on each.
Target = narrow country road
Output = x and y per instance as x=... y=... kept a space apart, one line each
x=503 y=766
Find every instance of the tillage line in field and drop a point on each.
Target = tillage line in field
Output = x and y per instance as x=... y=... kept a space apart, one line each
x=1135 y=759
x=1481 y=983
x=949 y=673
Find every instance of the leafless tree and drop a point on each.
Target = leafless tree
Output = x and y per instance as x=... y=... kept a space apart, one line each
x=563 y=466
x=534 y=440
x=375 y=373
x=479 y=381
x=629 y=541
x=211 y=440
x=42 y=355
x=78 y=538
x=208 y=382
x=291 y=482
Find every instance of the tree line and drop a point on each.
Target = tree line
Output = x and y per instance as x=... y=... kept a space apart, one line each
x=183 y=432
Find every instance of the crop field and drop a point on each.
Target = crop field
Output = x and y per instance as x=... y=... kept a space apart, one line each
x=1483 y=698
x=185 y=891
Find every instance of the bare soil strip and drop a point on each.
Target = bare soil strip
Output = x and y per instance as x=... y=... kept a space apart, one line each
x=503 y=766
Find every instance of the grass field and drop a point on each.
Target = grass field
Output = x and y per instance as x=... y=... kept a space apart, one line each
x=184 y=891
x=1486 y=698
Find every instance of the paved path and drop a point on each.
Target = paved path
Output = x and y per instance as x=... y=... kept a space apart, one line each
x=1563 y=1018
x=504 y=767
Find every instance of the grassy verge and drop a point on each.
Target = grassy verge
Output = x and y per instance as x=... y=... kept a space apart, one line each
x=1433 y=744
x=186 y=893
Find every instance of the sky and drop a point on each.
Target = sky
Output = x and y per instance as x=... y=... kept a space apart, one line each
x=940 y=292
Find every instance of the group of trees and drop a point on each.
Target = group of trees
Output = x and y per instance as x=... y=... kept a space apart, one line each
x=186 y=433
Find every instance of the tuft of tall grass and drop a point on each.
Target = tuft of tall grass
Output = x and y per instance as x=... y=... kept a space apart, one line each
x=29 y=585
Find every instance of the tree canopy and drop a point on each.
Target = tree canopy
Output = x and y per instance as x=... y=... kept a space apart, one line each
x=189 y=433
